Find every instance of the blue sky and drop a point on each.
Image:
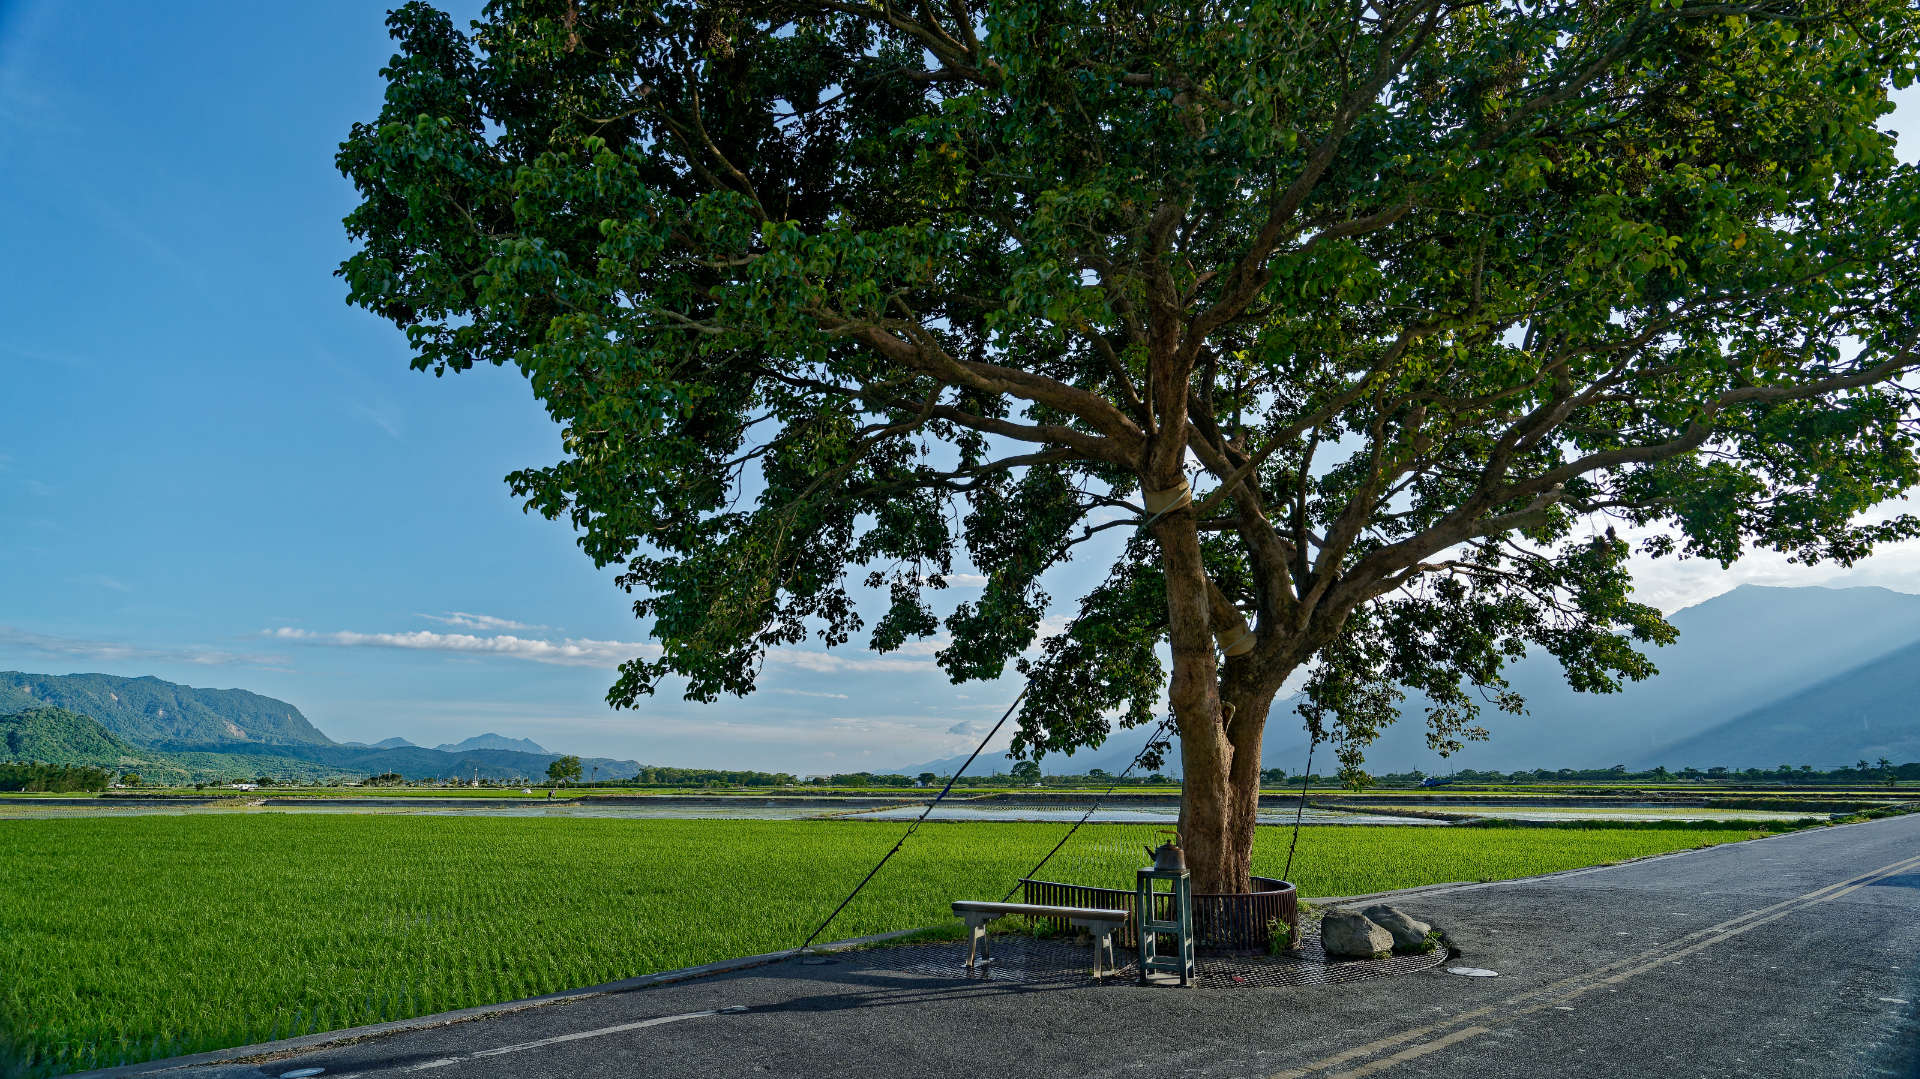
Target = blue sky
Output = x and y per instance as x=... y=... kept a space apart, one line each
x=214 y=471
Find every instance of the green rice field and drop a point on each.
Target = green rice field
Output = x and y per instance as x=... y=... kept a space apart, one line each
x=137 y=938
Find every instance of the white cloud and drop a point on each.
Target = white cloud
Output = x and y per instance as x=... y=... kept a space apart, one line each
x=571 y=652
x=835 y=662
x=468 y=620
x=798 y=744
x=580 y=651
x=1051 y=625
x=122 y=652
x=1673 y=583
x=811 y=693
x=924 y=648
x=967 y=580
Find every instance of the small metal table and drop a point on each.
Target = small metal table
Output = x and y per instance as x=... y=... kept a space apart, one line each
x=1177 y=899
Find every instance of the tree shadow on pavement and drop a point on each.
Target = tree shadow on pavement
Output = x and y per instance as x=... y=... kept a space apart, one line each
x=887 y=989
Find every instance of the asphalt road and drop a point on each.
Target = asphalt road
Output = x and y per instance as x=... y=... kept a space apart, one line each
x=1793 y=956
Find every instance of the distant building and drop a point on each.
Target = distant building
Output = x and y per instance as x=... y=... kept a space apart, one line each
x=244 y=786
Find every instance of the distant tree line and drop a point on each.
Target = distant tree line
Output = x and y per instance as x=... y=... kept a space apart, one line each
x=1883 y=771
x=1026 y=773
x=52 y=778
x=861 y=779
x=704 y=777
x=38 y=777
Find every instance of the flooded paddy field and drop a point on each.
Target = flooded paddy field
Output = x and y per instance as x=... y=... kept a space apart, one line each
x=1121 y=814
x=1652 y=812
x=1120 y=811
x=1040 y=807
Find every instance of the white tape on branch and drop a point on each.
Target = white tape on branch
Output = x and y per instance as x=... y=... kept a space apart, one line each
x=1236 y=646
x=1160 y=503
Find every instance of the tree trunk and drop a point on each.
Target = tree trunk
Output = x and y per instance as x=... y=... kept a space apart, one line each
x=1220 y=714
x=1247 y=702
x=1207 y=817
x=1220 y=793
x=1220 y=859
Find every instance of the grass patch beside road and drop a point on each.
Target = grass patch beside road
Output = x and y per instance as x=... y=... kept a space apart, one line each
x=136 y=938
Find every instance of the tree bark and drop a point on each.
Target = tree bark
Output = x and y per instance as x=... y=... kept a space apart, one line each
x=1220 y=712
x=1220 y=777
x=1247 y=699
x=1207 y=817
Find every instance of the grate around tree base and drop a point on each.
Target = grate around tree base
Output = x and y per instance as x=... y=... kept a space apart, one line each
x=1062 y=960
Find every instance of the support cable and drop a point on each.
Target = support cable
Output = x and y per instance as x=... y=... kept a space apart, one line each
x=1176 y=498
x=1299 y=811
x=915 y=826
x=1137 y=758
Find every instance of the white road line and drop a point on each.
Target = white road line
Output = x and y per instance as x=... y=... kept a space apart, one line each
x=1578 y=985
x=543 y=1042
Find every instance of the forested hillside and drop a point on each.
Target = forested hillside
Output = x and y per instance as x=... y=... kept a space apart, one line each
x=57 y=736
x=176 y=733
x=150 y=710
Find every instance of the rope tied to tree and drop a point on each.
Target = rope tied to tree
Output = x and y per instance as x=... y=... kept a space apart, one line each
x=1153 y=739
x=1158 y=504
x=1299 y=810
x=915 y=826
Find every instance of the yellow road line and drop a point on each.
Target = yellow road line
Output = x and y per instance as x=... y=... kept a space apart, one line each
x=1412 y=1053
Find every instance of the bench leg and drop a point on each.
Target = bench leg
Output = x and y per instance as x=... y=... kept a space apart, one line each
x=978 y=952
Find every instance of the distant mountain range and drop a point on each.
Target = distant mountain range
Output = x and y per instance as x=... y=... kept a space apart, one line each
x=1865 y=713
x=176 y=732
x=478 y=741
x=490 y=741
x=1759 y=677
x=384 y=743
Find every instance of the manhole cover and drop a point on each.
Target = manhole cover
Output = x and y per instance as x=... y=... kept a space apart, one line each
x=1473 y=972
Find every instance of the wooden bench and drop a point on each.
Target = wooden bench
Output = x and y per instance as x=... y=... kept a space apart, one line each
x=1097 y=921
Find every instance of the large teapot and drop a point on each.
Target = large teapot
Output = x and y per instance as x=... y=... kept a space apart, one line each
x=1168 y=857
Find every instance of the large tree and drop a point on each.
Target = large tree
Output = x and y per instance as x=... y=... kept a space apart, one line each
x=1367 y=321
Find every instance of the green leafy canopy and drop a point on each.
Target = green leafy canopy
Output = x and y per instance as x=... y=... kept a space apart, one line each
x=1422 y=296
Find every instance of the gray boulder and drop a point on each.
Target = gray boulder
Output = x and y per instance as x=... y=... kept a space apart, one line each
x=1347 y=934
x=1408 y=932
